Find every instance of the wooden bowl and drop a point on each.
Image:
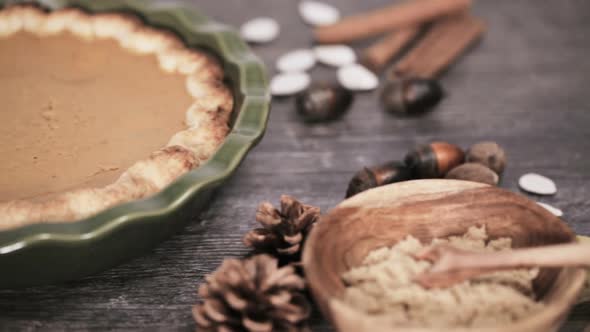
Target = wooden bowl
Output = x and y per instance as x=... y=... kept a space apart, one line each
x=428 y=209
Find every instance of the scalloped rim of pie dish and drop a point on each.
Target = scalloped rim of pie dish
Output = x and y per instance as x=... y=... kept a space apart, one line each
x=206 y=119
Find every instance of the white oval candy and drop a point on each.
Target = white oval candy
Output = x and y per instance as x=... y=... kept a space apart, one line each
x=260 y=30
x=335 y=55
x=537 y=184
x=318 y=13
x=289 y=83
x=358 y=78
x=557 y=212
x=298 y=60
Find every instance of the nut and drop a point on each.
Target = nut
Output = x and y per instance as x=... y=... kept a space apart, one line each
x=489 y=154
x=411 y=95
x=370 y=177
x=474 y=172
x=434 y=160
x=323 y=102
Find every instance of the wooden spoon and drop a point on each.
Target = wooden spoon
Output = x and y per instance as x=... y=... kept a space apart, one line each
x=452 y=265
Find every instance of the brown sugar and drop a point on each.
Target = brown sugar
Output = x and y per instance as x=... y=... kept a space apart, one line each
x=383 y=286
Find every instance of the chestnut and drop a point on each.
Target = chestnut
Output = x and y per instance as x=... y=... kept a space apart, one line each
x=410 y=95
x=474 y=172
x=489 y=154
x=370 y=177
x=323 y=102
x=434 y=160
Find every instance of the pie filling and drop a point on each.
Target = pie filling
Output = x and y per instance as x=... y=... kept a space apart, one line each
x=98 y=110
x=78 y=113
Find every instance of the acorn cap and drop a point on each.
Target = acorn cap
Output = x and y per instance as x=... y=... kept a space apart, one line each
x=323 y=102
x=422 y=161
x=392 y=97
x=371 y=177
x=411 y=95
x=434 y=160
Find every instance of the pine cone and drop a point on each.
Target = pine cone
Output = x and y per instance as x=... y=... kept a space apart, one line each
x=283 y=231
x=252 y=295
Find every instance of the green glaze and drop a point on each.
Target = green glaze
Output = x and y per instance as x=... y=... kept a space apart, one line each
x=53 y=252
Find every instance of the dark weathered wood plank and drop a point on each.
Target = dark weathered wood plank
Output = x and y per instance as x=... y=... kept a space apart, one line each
x=525 y=86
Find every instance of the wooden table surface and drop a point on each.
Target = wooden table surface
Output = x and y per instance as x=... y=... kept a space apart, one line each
x=526 y=86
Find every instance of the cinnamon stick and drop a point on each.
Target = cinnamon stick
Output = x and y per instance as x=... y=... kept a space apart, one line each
x=378 y=54
x=458 y=42
x=437 y=35
x=441 y=46
x=410 y=13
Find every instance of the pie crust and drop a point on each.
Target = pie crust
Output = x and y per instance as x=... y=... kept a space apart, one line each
x=206 y=120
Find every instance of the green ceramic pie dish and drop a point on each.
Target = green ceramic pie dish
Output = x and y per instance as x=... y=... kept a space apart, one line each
x=53 y=252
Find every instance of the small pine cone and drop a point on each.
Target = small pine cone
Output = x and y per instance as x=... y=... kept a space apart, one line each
x=284 y=231
x=252 y=295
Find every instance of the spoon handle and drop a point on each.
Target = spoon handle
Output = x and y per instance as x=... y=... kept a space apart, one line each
x=562 y=255
x=453 y=265
x=586 y=292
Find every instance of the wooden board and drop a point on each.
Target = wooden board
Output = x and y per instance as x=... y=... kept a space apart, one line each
x=525 y=85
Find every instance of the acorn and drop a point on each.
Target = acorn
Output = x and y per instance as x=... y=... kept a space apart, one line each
x=434 y=160
x=473 y=172
x=323 y=102
x=489 y=154
x=371 y=177
x=411 y=95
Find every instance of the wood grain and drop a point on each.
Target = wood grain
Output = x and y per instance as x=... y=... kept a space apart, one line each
x=525 y=86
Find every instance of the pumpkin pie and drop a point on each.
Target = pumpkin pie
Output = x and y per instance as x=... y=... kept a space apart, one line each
x=97 y=110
